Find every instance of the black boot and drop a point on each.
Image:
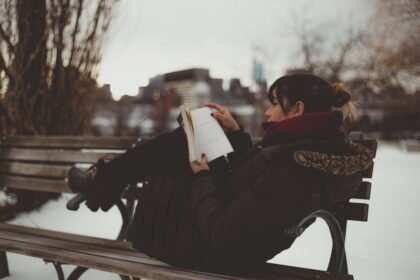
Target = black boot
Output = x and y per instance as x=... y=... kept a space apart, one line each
x=80 y=180
x=94 y=183
x=84 y=181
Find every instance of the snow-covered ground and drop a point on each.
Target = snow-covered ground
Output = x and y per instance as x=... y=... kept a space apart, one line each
x=385 y=248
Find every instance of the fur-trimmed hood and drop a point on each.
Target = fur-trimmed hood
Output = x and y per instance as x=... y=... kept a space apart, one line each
x=360 y=159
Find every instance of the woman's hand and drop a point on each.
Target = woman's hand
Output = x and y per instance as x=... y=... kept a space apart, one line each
x=224 y=117
x=197 y=167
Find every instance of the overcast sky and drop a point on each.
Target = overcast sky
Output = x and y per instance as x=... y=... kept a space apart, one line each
x=151 y=37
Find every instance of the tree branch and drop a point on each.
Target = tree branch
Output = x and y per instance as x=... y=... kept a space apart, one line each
x=6 y=38
x=75 y=31
x=6 y=70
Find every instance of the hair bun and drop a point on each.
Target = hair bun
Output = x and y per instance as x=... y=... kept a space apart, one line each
x=341 y=95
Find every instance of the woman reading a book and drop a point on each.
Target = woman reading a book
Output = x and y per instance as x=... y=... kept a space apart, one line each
x=230 y=215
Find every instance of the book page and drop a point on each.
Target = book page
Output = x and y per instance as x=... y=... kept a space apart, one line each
x=209 y=135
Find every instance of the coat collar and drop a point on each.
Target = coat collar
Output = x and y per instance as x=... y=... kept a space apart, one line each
x=352 y=159
x=360 y=159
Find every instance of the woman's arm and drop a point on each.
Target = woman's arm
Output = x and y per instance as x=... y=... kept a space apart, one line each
x=240 y=141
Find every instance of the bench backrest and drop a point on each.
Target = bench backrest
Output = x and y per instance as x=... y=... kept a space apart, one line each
x=358 y=211
x=41 y=163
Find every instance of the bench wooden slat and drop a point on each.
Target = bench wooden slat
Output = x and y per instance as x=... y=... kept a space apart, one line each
x=70 y=142
x=356 y=211
x=66 y=236
x=364 y=191
x=120 y=253
x=36 y=155
x=138 y=264
x=104 y=247
x=35 y=184
x=97 y=262
x=46 y=170
x=289 y=272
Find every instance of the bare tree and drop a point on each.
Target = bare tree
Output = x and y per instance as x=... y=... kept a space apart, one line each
x=310 y=40
x=393 y=44
x=49 y=50
x=321 y=53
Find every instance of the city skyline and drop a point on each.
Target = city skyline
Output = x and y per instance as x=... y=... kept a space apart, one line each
x=155 y=37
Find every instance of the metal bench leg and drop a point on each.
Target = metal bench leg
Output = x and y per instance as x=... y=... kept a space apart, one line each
x=125 y=220
x=344 y=268
x=130 y=208
x=4 y=267
x=59 y=270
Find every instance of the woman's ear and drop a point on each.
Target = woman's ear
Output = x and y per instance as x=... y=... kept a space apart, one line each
x=299 y=108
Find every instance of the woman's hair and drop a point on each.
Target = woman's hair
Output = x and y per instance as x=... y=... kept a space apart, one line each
x=316 y=94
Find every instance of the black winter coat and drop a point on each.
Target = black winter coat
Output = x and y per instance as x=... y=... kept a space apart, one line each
x=232 y=218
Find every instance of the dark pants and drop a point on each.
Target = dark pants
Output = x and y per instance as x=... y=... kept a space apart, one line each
x=166 y=155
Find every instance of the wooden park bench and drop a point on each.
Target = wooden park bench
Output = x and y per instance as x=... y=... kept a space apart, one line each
x=42 y=164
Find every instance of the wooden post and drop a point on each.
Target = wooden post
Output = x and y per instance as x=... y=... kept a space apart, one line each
x=4 y=267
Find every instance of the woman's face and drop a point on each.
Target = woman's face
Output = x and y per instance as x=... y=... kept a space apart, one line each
x=275 y=112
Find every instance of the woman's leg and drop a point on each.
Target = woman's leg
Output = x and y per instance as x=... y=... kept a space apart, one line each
x=166 y=155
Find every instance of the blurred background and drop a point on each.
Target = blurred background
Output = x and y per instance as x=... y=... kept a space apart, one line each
x=122 y=68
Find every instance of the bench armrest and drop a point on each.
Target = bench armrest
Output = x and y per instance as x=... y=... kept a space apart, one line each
x=338 y=250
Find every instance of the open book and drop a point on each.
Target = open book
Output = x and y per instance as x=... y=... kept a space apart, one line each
x=204 y=134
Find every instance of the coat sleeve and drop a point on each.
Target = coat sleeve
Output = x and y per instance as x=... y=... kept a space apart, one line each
x=265 y=206
x=240 y=141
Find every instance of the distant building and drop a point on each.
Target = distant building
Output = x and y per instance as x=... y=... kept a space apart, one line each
x=105 y=120
x=194 y=86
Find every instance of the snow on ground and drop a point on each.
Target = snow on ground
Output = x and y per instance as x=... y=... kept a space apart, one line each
x=386 y=247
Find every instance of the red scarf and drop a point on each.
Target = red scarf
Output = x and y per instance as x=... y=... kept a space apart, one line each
x=319 y=125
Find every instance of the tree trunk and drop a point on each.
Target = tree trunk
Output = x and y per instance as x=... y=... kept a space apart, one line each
x=30 y=65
